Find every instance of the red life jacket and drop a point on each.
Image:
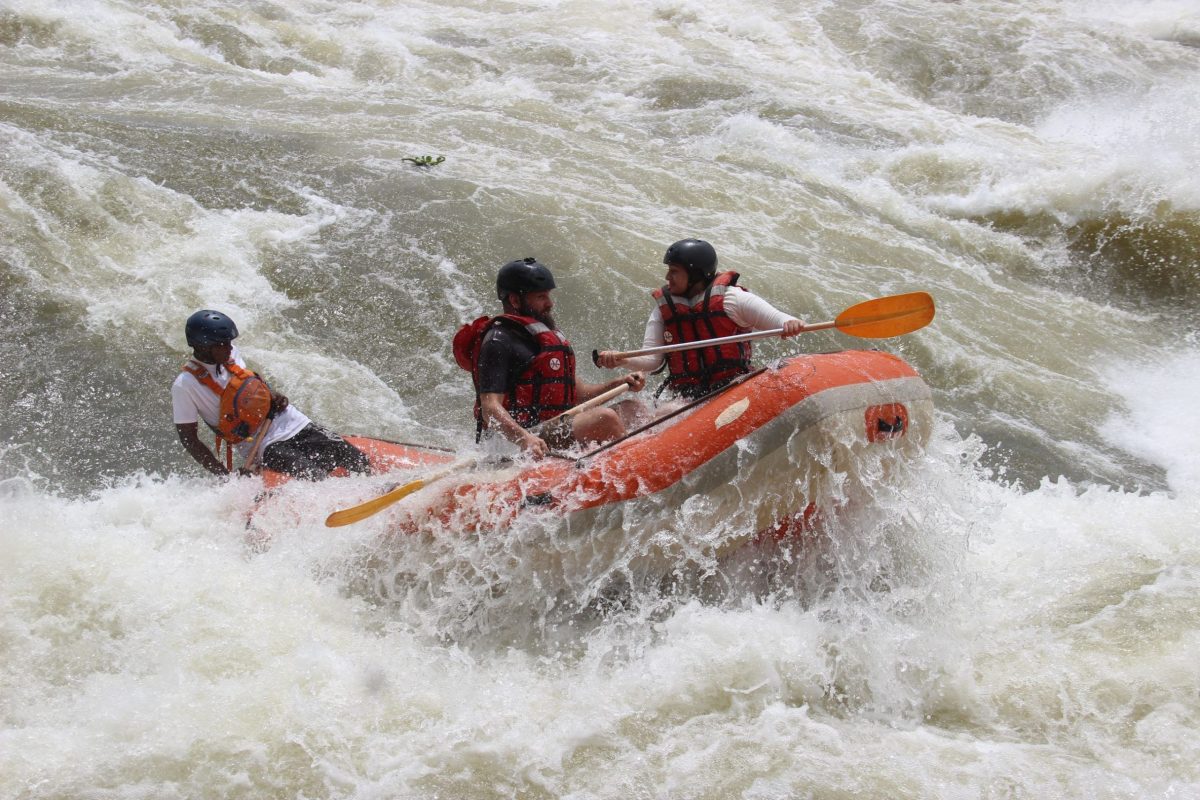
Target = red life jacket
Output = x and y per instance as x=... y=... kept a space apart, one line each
x=245 y=400
x=544 y=389
x=695 y=372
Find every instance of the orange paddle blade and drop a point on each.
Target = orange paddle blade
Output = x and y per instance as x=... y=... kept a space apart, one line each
x=887 y=316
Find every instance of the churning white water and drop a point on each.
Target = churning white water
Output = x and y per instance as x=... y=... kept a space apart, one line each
x=1013 y=614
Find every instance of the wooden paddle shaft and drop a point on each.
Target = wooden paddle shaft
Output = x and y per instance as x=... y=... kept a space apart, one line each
x=598 y=400
x=256 y=447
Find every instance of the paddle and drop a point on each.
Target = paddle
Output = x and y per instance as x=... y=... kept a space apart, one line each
x=881 y=318
x=373 y=506
x=252 y=457
x=565 y=416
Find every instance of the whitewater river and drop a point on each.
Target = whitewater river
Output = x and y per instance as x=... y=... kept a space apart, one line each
x=1014 y=614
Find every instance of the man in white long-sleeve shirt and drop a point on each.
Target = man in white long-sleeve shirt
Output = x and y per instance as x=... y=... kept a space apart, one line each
x=698 y=304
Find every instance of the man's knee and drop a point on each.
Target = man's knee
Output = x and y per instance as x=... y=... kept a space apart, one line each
x=633 y=412
x=611 y=422
x=599 y=425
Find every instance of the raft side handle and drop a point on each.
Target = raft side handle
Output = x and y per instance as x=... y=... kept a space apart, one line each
x=886 y=421
x=539 y=499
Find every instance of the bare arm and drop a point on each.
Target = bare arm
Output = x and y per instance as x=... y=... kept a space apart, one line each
x=190 y=439
x=494 y=412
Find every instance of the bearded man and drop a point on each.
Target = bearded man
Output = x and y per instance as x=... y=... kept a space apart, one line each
x=523 y=367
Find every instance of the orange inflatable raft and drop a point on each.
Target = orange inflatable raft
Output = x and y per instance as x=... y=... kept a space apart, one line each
x=761 y=454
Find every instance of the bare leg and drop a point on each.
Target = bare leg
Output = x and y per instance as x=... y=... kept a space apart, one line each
x=634 y=412
x=597 y=425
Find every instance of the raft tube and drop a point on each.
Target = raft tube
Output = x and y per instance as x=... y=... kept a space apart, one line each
x=763 y=454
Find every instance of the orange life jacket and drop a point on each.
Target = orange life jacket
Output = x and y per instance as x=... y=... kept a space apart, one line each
x=696 y=371
x=245 y=400
x=544 y=389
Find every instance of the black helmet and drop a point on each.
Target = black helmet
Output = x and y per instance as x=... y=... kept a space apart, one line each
x=697 y=256
x=523 y=276
x=209 y=327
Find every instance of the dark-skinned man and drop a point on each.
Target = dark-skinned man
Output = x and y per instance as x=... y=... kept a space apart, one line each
x=215 y=387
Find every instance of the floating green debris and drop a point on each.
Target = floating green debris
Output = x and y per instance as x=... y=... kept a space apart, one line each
x=424 y=161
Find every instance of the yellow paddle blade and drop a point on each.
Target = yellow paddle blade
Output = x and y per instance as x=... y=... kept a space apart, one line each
x=887 y=316
x=373 y=506
x=361 y=511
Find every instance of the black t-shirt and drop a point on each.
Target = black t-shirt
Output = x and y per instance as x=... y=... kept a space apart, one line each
x=504 y=354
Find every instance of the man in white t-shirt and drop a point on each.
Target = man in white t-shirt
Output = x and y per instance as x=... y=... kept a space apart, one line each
x=698 y=304
x=293 y=444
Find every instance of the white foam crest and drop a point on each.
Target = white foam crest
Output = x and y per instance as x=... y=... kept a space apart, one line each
x=1063 y=593
x=727 y=23
x=113 y=32
x=1070 y=536
x=132 y=253
x=319 y=46
x=1145 y=143
x=337 y=392
x=1158 y=423
x=1118 y=154
x=1170 y=20
x=748 y=134
x=127 y=612
x=1067 y=185
x=1100 y=151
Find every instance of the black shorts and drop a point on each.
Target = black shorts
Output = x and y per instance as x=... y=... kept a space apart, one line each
x=313 y=453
